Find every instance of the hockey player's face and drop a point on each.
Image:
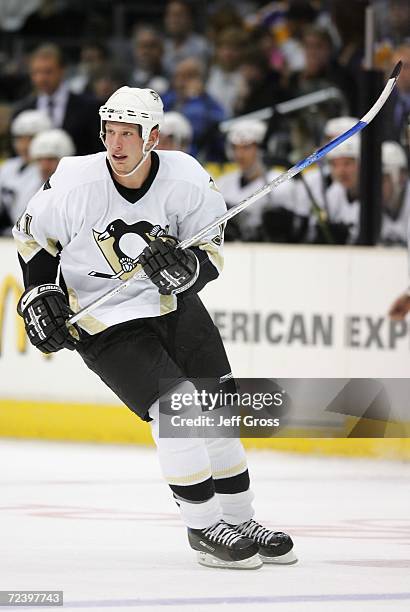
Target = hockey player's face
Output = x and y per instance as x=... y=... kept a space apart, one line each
x=345 y=170
x=21 y=146
x=124 y=145
x=245 y=155
x=47 y=166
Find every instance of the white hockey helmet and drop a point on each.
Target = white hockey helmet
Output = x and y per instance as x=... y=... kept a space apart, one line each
x=29 y=123
x=133 y=105
x=393 y=156
x=338 y=125
x=176 y=125
x=246 y=131
x=348 y=148
x=54 y=143
x=393 y=161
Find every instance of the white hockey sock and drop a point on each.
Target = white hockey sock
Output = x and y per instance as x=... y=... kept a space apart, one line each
x=228 y=463
x=185 y=462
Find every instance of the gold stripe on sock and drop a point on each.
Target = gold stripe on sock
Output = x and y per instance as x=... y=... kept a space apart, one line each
x=231 y=471
x=190 y=478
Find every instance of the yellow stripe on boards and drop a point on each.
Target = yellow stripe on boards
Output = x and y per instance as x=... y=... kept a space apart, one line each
x=117 y=424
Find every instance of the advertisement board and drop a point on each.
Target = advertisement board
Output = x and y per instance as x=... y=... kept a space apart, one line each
x=283 y=311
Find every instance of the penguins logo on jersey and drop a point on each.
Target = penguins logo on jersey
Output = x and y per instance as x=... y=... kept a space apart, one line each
x=212 y=184
x=121 y=244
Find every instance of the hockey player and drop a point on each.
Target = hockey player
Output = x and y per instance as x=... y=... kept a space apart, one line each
x=313 y=184
x=396 y=195
x=244 y=147
x=19 y=179
x=343 y=206
x=47 y=148
x=96 y=215
x=176 y=133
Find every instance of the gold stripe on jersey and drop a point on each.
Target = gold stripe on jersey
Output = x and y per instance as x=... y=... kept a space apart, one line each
x=30 y=247
x=89 y=323
x=27 y=249
x=167 y=303
x=214 y=254
x=52 y=247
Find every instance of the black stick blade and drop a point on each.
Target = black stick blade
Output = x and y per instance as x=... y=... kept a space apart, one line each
x=396 y=70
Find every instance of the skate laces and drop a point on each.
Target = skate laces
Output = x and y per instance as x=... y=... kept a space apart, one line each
x=222 y=533
x=252 y=529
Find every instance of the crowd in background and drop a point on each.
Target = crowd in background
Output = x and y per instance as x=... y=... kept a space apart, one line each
x=212 y=62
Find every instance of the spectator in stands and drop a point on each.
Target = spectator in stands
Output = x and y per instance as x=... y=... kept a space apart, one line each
x=47 y=148
x=19 y=179
x=175 y=134
x=75 y=113
x=396 y=195
x=398 y=19
x=273 y=216
x=397 y=112
x=105 y=81
x=221 y=17
x=321 y=70
x=225 y=80
x=93 y=58
x=189 y=97
x=181 y=41
x=300 y=15
x=263 y=41
x=148 y=50
x=343 y=206
x=261 y=84
x=349 y=20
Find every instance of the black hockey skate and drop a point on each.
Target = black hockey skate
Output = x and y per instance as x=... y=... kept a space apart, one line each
x=274 y=546
x=222 y=546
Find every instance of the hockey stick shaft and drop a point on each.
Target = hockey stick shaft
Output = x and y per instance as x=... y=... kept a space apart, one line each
x=260 y=193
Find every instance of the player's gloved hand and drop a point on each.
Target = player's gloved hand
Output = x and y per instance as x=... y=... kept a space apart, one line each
x=45 y=311
x=172 y=270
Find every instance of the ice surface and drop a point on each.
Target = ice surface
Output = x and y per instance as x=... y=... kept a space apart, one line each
x=97 y=522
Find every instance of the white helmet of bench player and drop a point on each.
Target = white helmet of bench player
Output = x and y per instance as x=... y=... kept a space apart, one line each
x=338 y=125
x=29 y=123
x=54 y=143
x=347 y=148
x=134 y=105
x=246 y=131
x=177 y=126
x=393 y=161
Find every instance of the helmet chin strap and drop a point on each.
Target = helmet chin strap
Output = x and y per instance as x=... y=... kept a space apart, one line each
x=145 y=154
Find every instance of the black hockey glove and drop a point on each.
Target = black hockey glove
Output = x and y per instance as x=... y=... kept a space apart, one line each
x=172 y=270
x=45 y=311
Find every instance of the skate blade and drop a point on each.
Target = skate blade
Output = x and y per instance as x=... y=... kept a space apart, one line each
x=208 y=560
x=288 y=559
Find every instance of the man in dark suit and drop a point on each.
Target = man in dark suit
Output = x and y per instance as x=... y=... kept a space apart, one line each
x=77 y=114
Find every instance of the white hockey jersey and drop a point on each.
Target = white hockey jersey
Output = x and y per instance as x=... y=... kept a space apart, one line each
x=341 y=210
x=250 y=219
x=81 y=213
x=311 y=191
x=394 y=230
x=18 y=183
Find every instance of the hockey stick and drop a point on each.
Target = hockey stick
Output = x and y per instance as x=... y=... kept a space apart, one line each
x=285 y=176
